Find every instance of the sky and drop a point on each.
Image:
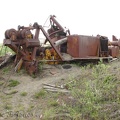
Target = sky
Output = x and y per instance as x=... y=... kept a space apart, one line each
x=83 y=17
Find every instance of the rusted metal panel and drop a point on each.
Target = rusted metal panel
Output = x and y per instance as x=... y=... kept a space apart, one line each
x=83 y=46
x=115 y=43
x=114 y=51
x=114 y=38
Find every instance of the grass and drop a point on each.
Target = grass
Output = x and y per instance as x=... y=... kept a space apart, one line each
x=40 y=65
x=6 y=69
x=20 y=107
x=13 y=83
x=13 y=92
x=40 y=94
x=1 y=83
x=53 y=103
x=4 y=50
x=48 y=113
x=93 y=92
x=8 y=107
x=23 y=94
x=93 y=96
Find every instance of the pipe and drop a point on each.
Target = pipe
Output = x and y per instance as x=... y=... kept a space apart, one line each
x=61 y=41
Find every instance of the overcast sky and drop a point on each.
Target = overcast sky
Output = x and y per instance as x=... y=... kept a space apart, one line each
x=84 y=17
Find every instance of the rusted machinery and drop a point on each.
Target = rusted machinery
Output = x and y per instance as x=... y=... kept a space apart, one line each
x=27 y=46
x=114 y=47
x=63 y=46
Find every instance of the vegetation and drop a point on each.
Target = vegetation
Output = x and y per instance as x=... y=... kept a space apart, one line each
x=13 y=92
x=6 y=69
x=40 y=65
x=94 y=96
x=8 y=107
x=23 y=94
x=39 y=94
x=1 y=83
x=53 y=103
x=4 y=50
x=13 y=83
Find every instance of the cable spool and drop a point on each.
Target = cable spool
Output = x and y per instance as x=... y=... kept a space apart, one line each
x=11 y=34
x=25 y=33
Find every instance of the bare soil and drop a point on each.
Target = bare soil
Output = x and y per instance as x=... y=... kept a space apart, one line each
x=50 y=74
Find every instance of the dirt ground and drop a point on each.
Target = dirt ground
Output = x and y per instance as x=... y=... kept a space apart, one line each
x=12 y=98
x=50 y=74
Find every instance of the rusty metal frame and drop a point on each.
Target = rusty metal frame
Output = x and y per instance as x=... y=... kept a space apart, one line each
x=49 y=39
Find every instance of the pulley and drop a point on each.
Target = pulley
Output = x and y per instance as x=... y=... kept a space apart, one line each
x=11 y=34
x=25 y=34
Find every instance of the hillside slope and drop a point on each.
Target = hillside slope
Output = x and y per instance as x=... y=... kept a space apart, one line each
x=90 y=92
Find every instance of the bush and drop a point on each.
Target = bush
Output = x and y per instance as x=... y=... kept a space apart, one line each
x=92 y=92
x=39 y=94
x=13 y=83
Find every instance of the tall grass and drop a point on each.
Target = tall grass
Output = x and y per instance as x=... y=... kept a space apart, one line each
x=96 y=96
x=4 y=50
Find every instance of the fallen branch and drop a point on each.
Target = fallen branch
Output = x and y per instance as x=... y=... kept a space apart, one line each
x=53 y=86
x=6 y=60
x=57 y=90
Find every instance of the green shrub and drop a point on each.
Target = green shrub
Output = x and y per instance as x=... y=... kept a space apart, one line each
x=13 y=83
x=4 y=50
x=39 y=94
x=23 y=94
x=53 y=103
x=91 y=92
